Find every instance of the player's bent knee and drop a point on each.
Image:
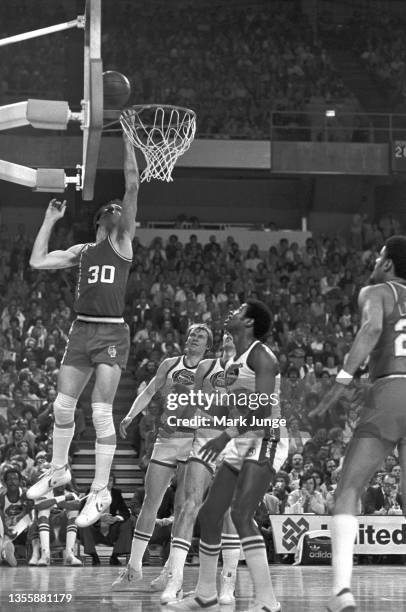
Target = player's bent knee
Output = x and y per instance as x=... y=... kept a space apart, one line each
x=102 y=415
x=64 y=409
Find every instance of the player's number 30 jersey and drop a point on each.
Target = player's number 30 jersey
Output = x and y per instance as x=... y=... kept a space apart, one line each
x=102 y=280
x=389 y=355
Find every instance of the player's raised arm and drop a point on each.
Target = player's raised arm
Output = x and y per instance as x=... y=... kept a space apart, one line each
x=143 y=399
x=371 y=305
x=370 y=301
x=126 y=224
x=40 y=258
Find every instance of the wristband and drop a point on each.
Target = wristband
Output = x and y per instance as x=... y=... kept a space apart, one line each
x=344 y=378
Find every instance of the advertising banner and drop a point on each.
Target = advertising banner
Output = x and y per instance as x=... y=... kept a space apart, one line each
x=377 y=535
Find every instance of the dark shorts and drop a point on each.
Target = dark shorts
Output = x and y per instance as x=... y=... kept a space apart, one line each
x=93 y=343
x=384 y=416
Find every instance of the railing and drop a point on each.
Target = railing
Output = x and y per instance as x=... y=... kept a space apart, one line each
x=334 y=126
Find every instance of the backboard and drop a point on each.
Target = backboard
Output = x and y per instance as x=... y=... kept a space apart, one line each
x=92 y=96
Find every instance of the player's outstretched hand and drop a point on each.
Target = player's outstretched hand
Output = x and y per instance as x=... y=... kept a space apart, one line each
x=211 y=450
x=124 y=426
x=56 y=210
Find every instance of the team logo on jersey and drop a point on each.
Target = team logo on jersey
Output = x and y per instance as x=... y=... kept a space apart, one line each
x=231 y=374
x=112 y=351
x=183 y=377
x=251 y=451
x=218 y=380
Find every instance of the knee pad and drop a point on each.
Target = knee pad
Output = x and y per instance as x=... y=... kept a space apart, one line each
x=64 y=409
x=102 y=415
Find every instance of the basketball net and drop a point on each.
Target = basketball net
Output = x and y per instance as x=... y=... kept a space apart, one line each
x=163 y=133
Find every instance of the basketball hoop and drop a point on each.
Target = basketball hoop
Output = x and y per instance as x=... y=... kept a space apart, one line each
x=162 y=132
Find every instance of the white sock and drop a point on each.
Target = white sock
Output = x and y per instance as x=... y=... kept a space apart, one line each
x=344 y=528
x=43 y=528
x=138 y=548
x=179 y=551
x=208 y=555
x=104 y=459
x=71 y=533
x=36 y=549
x=230 y=550
x=62 y=439
x=257 y=562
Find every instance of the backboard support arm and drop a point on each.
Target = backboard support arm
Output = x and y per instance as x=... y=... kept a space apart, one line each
x=79 y=22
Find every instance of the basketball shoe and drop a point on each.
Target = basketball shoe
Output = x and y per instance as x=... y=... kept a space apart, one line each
x=159 y=583
x=173 y=590
x=53 y=477
x=70 y=559
x=98 y=502
x=193 y=603
x=227 y=588
x=7 y=552
x=128 y=579
x=45 y=559
x=342 y=602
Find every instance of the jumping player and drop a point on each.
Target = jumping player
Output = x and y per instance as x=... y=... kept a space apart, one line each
x=245 y=473
x=382 y=426
x=199 y=472
x=98 y=339
x=175 y=375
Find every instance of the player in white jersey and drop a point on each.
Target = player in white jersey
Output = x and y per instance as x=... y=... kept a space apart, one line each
x=244 y=476
x=199 y=472
x=175 y=375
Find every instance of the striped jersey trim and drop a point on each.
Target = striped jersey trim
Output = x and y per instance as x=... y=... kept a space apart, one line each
x=91 y=319
x=129 y=259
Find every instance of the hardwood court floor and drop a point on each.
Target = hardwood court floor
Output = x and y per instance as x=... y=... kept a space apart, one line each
x=300 y=589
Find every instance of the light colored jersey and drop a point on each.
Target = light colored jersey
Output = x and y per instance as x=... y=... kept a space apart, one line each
x=240 y=378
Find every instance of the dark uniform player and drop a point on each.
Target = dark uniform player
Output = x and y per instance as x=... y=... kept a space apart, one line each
x=382 y=337
x=99 y=338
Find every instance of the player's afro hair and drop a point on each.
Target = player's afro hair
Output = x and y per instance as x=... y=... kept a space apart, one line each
x=396 y=251
x=261 y=314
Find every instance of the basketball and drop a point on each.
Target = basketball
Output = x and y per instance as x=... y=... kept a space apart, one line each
x=116 y=88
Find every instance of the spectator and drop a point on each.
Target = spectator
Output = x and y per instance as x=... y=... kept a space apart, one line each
x=113 y=529
x=14 y=509
x=276 y=501
x=384 y=499
x=306 y=499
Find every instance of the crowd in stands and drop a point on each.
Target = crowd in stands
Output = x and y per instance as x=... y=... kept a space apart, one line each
x=379 y=40
x=311 y=291
x=233 y=64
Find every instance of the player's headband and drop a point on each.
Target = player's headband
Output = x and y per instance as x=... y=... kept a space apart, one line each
x=113 y=208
